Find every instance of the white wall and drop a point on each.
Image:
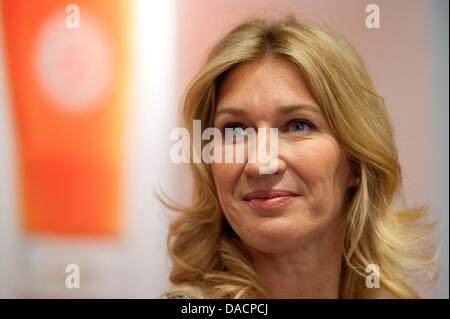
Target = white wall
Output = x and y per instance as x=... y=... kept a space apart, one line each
x=440 y=128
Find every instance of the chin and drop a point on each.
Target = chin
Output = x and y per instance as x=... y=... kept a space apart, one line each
x=273 y=246
x=276 y=239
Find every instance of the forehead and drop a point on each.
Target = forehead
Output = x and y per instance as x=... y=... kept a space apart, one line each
x=264 y=83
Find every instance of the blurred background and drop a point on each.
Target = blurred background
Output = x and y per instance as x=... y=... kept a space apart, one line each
x=90 y=90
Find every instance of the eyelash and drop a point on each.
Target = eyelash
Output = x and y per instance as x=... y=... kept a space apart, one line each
x=234 y=125
x=289 y=124
x=301 y=121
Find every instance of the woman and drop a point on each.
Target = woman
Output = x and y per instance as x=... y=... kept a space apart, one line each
x=318 y=224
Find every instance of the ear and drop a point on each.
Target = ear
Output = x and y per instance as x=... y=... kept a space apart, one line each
x=355 y=173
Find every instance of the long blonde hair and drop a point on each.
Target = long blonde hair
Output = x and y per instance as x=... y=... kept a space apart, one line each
x=208 y=261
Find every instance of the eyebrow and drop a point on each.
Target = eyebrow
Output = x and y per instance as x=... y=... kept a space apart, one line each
x=286 y=109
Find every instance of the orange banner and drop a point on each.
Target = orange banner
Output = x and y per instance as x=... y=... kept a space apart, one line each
x=68 y=73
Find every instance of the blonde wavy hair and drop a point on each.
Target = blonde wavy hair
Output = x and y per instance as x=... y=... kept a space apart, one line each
x=208 y=260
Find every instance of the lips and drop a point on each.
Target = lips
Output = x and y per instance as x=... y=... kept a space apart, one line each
x=269 y=199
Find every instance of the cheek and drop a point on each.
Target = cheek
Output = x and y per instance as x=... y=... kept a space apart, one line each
x=321 y=165
x=225 y=177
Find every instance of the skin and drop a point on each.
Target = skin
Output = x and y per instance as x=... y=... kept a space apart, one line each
x=296 y=249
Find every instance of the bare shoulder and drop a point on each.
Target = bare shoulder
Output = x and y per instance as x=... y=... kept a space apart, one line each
x=183 y=291
x=178 y=295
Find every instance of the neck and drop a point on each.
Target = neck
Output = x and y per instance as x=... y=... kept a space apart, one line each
x=310 y=272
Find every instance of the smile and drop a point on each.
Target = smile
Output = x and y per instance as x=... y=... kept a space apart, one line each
x=269 y=199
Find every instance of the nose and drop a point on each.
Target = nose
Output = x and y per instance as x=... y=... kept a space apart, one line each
x=257 y=169
x=267 y=160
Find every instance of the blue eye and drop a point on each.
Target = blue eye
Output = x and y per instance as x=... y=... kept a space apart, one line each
x=238 y=129
x=300 y=125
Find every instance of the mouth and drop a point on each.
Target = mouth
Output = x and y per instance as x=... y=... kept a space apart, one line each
x=269 y=199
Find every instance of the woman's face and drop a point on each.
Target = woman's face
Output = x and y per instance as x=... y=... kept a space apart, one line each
x=302 y=201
